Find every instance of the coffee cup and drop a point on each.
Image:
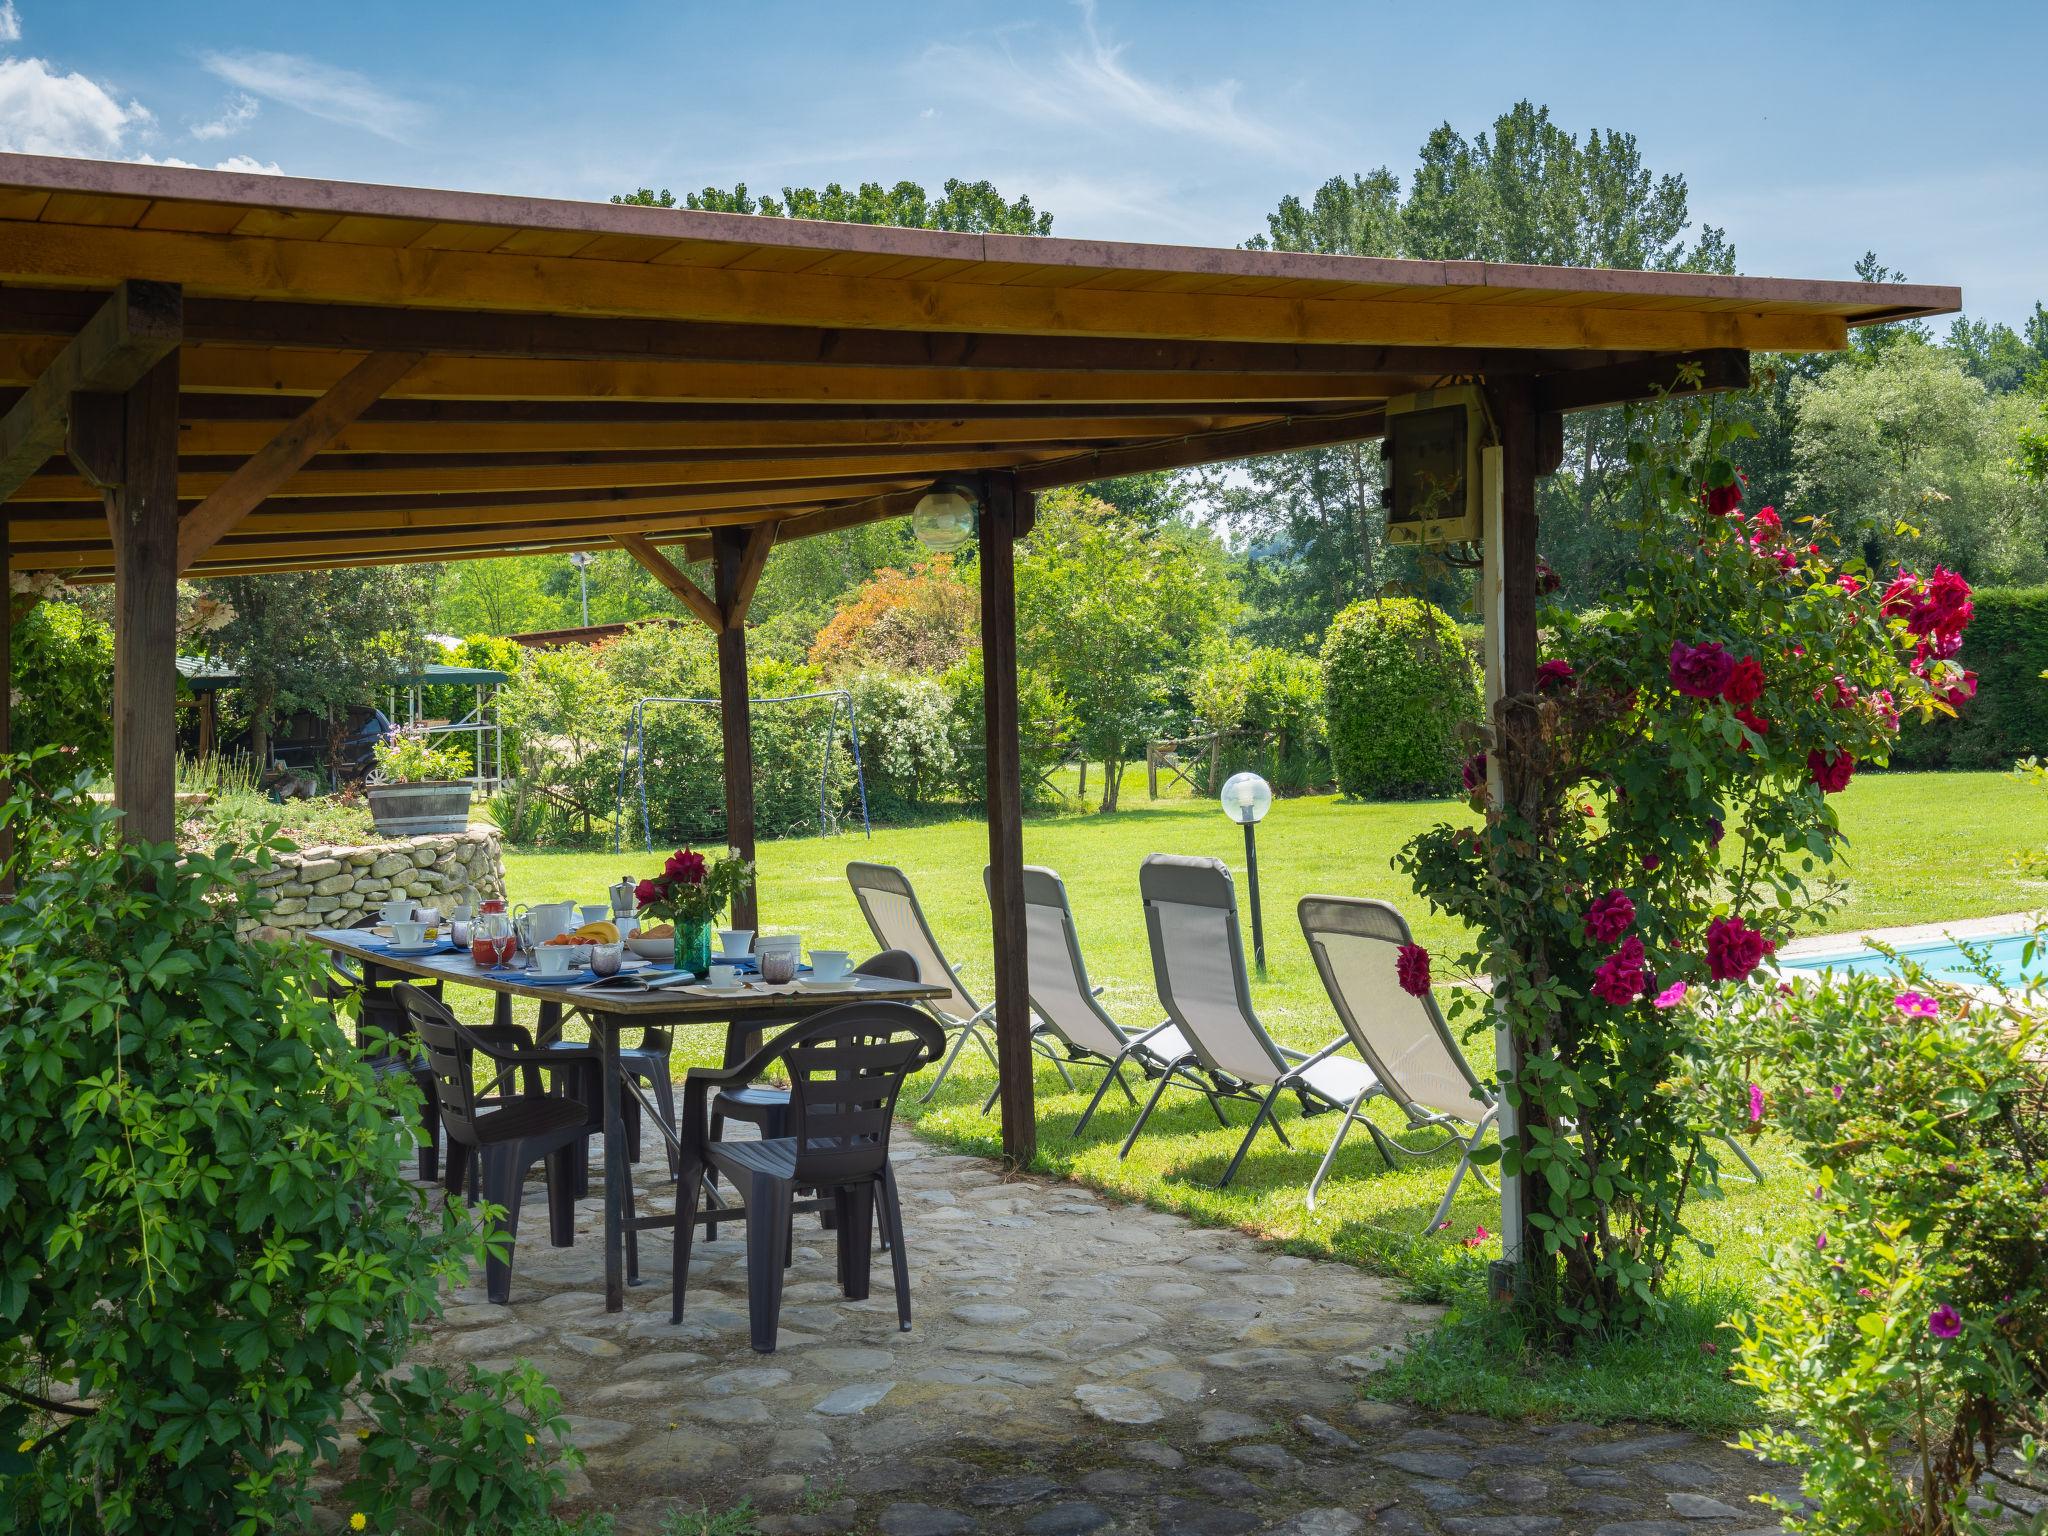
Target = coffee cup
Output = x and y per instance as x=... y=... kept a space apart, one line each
x=595 y=912
x=830 y=964
x=396 y=911
x=552 y=959
x=722 y=976
x=406 y=934
x=735 y=943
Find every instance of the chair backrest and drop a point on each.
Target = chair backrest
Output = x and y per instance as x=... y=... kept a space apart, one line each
x=1404 y=1039
x=1198 y=965
x=897 y=922
x=846 y=1067
x=889 y=965
x=1055 y=975
x=449 y=1050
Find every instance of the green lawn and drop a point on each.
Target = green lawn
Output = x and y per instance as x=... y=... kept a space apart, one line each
x=1920 y=848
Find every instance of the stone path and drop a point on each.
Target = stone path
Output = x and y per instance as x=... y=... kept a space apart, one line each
x=1075 y=1366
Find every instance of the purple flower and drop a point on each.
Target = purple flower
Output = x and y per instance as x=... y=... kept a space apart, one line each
x=1820 y=1243
x=1700 y=671
x=1945 y=1322
x=1671 y=997
x=1756 y=1111
x=1916 y=1005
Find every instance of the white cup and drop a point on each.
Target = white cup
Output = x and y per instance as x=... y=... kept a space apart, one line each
x=553 y=959
x=735 y=943
x=406 y=935
x=596 y=912
x=722 y=976
x=830 y=965
x=396 y=911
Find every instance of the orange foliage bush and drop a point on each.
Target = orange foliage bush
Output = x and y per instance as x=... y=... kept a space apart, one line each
x=920 y=621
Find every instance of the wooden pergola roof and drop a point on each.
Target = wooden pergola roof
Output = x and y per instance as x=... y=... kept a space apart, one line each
x=375 y=374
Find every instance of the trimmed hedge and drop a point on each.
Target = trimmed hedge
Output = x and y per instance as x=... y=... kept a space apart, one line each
x=1398 y=688
x=2007 y=647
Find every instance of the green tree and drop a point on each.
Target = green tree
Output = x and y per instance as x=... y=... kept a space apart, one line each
x=61 y=655
x=966 y=207
x=1526 y=191
x=321 y=641
x=1110 y=615
x=499 y=597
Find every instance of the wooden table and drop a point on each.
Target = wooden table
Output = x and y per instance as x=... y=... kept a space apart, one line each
x=609 y=1011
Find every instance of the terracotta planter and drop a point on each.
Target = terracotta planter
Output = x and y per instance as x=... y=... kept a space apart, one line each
x=416 y=810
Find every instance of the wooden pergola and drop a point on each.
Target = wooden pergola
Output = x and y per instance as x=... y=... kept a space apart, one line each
x=211 y=373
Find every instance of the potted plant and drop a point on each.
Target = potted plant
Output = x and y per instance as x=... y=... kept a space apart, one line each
x=690 y=892
x=418 y=788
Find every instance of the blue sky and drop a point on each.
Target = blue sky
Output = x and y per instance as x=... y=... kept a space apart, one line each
x=1810 y=131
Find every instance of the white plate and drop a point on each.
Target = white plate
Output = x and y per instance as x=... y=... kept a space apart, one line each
x=706 y=989
x=844 y=984
x=417 y=951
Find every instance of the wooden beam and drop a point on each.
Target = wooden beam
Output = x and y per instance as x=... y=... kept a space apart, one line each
x=241 y=370
x=284 y=455
x=299 y=270
x=1625 y=383
x=1004 y=508
x=760 y=539
x=729 y=551
x=693 y=597
x=482 y=333
x=143 y=513
x=1204 y=448
x=127 y=336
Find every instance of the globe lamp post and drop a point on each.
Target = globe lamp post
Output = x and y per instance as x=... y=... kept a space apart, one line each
x=1246 y=799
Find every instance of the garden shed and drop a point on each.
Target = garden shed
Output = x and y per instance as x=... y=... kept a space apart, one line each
x=211 y=373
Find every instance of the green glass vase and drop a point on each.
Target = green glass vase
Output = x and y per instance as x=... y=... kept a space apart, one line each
x=693 y=946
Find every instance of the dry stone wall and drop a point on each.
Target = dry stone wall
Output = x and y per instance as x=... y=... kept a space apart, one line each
x=321 y=886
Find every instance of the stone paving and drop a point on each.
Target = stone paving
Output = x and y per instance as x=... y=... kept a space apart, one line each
x=1074 y=1366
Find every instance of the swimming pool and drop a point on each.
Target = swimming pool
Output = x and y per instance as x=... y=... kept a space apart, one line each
x=1941 y=959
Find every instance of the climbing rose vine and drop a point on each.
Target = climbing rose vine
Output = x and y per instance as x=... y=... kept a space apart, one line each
x=1662 y=822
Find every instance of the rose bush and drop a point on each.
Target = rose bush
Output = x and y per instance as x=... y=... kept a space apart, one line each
x=1903 y=1352
x=1733 y=685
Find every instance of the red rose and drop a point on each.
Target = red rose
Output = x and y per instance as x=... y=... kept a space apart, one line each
x=1831 y=770
x=1745 y=684
x=1959 y=691
x=1621 y=978
x=1474 y=771
x=686 y=865
x=1722 y=499
x=1754 y=721
x=1411 y=969
x=1734 y=949
x=1554 y=677
x=1609 y=918
x=1899 y=597
x=1768 y=521
x=1848 y=583
x=1700 y=671
x=645 y=892
x=1945 y=608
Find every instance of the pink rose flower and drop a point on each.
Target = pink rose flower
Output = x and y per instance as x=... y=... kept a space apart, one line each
x=1916 y=1005
x=1945 y=1322
x=1621 y=978
x=1700 y=671
x=1671 y=997
x=1609 y=918
x=1411 y=969
x=1830 y=770
x=1849 y=584
x=1734 y=949
x=1958 y=690
x=1756 y=1111
x=1767 y=521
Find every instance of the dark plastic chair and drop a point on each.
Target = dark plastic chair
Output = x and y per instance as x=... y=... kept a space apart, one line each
x=496 y=1140
x=648 y=1062
x=384 y=1031
x=846 y=1068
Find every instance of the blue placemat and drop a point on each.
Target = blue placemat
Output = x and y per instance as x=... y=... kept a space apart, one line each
x=386 y=947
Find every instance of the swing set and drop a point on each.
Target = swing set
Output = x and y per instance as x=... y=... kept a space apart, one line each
x=633 y=757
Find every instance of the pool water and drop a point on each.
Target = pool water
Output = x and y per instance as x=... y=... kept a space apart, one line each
x=1942 y=960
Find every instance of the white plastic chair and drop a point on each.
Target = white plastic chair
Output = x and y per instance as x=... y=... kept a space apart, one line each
x=1198 y=968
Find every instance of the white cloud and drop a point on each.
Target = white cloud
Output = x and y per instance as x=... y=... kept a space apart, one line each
x=1088 y=83
x=45 y=113
x=10 y=23
x=238 y=114
x=337 y=95
x=249 y=165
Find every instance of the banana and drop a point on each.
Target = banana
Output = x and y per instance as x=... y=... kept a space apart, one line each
x=599 y=933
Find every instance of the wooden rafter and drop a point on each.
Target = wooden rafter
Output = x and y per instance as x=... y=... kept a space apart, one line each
x=283 y=456
x=753 y=560
x=132 y=330
x=658 y=565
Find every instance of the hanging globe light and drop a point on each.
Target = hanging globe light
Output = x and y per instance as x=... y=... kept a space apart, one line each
x=944 y=519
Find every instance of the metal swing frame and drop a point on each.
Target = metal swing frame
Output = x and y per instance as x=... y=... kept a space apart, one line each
x=634 y=754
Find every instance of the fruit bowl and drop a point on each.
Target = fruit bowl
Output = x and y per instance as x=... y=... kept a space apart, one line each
x=661 y=948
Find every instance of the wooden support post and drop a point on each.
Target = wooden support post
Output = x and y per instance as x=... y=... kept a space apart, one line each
x=1006 y=515
x=735 y=707
x=128 y=444
x=1510 y=614
x=664 y=570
